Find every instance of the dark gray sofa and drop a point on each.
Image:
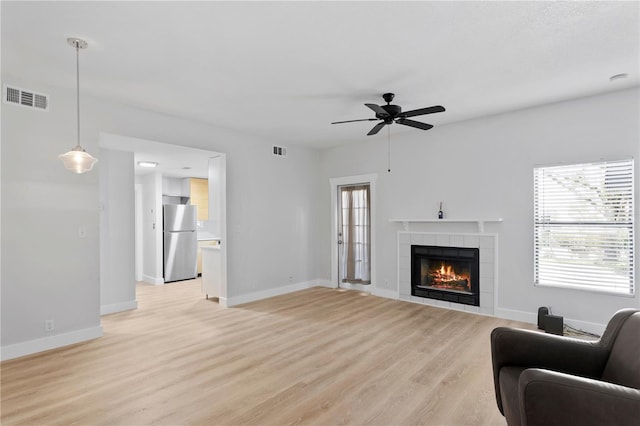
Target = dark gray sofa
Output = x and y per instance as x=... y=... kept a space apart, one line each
x=544 y=379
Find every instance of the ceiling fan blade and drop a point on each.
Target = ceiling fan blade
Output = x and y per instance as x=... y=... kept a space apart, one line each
x=353 y=121
x=377 y=109
x=376 y=128
x=422 y=111
x=412 y=123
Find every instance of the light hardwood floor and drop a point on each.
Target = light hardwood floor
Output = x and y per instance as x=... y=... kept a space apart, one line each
x=317 y=357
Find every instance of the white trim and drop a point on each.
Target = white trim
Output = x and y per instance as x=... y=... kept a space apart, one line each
x=532 y=318
x=259 y=295
x=51 y=342
x=138 y=234
x=479 y=222
x=325 y=283
x=386 y=293
x=365 y=288
x=265 y=294
x=590 y=327
x=515 y=315
x=118 y=307
x=352 y=180
x=152 y=280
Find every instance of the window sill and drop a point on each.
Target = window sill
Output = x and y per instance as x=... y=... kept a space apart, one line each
x=586 y=290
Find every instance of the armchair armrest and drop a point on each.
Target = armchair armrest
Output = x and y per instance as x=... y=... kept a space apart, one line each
x=532 y=349
x=550 y=398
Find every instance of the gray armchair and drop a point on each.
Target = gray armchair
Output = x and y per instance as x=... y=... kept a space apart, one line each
x=544 y=379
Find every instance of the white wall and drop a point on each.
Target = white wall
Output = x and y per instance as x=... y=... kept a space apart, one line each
x=152 y=228
x=278 y=211
x=484 y=168
x=48 y=272
x=117 y=225
x=215 y=175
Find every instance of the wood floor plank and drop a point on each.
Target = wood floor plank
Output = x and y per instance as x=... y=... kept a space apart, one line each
x=315 y=357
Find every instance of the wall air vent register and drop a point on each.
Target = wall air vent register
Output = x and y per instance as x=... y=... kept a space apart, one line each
x=26 y=98
x=279 y=151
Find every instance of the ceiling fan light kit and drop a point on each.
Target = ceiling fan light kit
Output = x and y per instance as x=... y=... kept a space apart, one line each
x=78 y=160
x=389 y=114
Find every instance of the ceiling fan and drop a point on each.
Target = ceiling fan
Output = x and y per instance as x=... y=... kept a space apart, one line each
x=390 y=114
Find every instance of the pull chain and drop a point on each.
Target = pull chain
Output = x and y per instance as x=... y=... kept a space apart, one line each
x=388 y=149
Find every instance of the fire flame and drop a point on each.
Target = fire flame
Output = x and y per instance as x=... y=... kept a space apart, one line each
x=448 y=274
x=446 y=277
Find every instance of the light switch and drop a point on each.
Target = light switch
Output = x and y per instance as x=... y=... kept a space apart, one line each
x=82 y=232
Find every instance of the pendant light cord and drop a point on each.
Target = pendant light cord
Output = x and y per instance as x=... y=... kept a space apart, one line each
x=78 y=89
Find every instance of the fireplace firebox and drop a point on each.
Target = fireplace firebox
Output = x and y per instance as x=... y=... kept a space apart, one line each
x=446 y=273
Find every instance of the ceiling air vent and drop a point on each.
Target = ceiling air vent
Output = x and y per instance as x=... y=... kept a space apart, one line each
x=279 y=151
x=27 y=98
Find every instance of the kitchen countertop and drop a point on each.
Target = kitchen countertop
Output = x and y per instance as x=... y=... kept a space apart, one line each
x=207 y=236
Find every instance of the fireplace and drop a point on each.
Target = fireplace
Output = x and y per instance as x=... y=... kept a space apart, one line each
x=446 y=273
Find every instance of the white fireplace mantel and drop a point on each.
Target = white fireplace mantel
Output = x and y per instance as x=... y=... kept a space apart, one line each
x=479 y=222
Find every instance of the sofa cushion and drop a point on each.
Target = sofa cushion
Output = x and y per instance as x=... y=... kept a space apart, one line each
x=623 y=365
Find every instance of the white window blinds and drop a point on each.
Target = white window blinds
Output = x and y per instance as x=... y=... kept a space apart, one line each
x=583 y=224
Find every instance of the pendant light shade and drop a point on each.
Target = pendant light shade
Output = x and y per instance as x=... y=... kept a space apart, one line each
x=78 y=160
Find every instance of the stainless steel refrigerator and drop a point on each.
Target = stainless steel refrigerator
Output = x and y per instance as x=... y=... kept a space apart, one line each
x=180 y=242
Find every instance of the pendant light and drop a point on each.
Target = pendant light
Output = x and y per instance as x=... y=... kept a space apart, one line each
x=78 y=160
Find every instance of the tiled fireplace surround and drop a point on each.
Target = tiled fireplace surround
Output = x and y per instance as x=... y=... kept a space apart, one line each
x=486 y=243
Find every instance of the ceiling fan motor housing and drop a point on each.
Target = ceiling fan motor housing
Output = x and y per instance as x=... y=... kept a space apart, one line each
x=392 y=110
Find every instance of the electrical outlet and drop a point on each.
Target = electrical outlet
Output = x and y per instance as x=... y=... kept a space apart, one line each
x=290 y=278
x=48 y=325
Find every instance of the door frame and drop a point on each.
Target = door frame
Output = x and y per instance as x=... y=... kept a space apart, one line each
x=138 y=238
x=335 y=183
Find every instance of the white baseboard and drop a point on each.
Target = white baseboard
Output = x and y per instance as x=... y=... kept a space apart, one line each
x=532 y=318
x=153 y=280
x=325 y=283
x=265 y=294
x=118 y=307
x=365 y=288
x=516 y=315
x=590 y=327
x=383 y=292
x=50 y=342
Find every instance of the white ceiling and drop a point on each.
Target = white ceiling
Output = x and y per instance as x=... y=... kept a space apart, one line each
x=280 y=72
x=171 y=160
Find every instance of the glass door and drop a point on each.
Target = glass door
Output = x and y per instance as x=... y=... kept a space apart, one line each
x=354 y=234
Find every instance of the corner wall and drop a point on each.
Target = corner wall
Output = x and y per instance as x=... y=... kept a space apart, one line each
x=483 y=168
x=117 y=218
x=48 y=272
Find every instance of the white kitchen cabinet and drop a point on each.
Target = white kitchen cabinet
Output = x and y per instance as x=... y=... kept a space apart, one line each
x=203 y=243
x=211 y=268
x=172 y=187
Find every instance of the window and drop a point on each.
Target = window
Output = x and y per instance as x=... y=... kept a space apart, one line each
x=583 y=225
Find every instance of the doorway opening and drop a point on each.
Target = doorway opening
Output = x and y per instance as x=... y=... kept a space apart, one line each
x=353 y=260
x=131 y=220
x=354 y=234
